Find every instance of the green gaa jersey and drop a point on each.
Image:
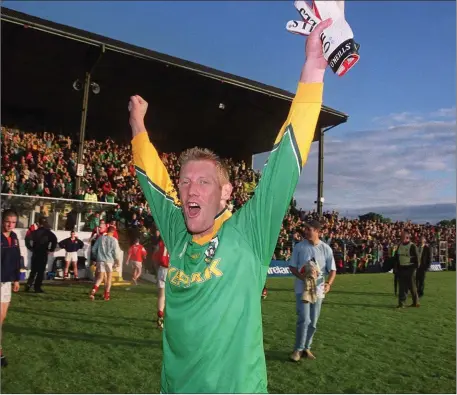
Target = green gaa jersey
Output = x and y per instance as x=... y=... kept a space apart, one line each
x=212 y=337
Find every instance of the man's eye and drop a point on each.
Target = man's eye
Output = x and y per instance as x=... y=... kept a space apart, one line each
x=205 y=182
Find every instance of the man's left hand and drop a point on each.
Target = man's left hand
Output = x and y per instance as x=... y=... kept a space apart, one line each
x=327 y=287
x=16 y=286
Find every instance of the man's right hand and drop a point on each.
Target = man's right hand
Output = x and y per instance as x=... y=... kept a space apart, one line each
x=138 y=108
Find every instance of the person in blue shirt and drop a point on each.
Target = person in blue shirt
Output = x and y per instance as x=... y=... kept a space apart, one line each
x=311 y=251
x=11 y=266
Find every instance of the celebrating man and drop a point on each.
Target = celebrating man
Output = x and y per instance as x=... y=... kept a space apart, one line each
x=212 y=338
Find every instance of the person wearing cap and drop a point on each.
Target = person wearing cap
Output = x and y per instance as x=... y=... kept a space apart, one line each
x=41 y=242
x=311 y=249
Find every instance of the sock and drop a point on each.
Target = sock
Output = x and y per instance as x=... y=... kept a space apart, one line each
x=95 y=289
x=160 y=314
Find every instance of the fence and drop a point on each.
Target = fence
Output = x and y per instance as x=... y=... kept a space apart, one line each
x=62 y=214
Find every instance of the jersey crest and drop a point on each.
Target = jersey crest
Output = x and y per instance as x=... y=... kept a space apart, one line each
x=211 y=250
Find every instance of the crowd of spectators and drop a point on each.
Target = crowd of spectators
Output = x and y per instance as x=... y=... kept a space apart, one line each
x=45 y=165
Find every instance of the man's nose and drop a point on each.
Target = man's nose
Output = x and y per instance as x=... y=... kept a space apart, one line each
x=193 y=189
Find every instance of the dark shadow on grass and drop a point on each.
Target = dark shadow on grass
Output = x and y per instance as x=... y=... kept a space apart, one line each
x=85 y=337
x=273 y=355
x=377 y=306
x=363 y=293
x=65 y=315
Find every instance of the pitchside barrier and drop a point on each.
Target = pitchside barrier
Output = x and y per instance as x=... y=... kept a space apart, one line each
x=279 y=269
x=58 y=212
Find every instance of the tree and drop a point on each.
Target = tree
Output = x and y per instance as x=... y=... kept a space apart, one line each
x=446 y=222
x=374 y=217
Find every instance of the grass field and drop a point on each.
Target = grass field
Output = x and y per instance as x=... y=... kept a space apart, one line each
x=60 y=342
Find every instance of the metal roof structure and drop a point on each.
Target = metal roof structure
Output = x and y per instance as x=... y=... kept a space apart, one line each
x=41 y=60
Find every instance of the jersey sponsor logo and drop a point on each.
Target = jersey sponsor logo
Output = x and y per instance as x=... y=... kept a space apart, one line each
x=180 y=279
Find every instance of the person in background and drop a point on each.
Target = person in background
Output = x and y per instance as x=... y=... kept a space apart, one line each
x=71 y=245
x=42 y=242
x=106 y=251
x=136 y=256
x=162 y=259
x=32 y=228
x=406 y=267
x=11 y=268
x=425 y=261
x=310 y=249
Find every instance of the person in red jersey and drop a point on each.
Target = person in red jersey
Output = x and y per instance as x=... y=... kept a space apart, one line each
x=162 y=259
x=136 y=256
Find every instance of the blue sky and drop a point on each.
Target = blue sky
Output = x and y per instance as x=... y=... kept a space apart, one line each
x=398 y=148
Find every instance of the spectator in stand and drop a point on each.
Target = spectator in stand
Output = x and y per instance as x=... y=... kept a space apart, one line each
x=136 y=256
x=40 y=164
x=11 y=268
x=71 y=245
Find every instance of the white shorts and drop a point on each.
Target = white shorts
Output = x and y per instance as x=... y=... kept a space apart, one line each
x=137 y=264
x=71 y=257
x=162 y=276
x=6 y=293
x=105 y=267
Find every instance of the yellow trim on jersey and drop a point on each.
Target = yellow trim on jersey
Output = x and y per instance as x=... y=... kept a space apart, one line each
x=145 y=157
x=302 y=118
x=220 y=219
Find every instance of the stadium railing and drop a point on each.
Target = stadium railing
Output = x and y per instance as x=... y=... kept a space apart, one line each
x=59 y=211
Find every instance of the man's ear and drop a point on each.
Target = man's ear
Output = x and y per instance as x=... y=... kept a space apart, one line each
x=226 y=191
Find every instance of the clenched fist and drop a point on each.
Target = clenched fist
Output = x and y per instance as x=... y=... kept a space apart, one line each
x=138 y=108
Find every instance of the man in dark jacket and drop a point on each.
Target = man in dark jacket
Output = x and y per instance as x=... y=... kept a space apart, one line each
x=71 y=245
x=425 y=260
x=41 y=242
x=11 y=265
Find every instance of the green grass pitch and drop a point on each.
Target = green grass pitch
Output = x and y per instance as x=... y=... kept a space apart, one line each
x=60 y=342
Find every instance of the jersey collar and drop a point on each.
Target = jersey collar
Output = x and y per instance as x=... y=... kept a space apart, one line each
x=223 y=216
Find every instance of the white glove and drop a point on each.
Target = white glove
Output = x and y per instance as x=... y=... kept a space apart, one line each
x=340 y=49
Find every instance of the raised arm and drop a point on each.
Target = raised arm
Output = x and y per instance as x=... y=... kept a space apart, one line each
x=153 y=176
x=262 y=216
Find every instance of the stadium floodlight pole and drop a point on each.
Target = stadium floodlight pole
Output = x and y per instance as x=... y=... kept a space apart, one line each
x=320 y=174
x=320 y=171
x=82 y=131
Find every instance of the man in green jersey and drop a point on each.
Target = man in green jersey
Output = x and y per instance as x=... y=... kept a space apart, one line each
x=212 y=338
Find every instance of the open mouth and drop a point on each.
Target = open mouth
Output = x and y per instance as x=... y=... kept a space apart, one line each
x=193 y=209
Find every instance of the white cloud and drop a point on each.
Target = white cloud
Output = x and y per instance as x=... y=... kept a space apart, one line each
x=395 y=118
x=387 y=167
x=444 y=113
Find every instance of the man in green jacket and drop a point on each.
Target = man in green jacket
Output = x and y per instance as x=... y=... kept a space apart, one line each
x=406 y=266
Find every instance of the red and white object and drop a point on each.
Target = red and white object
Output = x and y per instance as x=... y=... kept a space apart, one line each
x=340 y=49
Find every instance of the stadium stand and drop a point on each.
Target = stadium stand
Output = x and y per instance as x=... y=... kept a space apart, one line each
x=44 y=164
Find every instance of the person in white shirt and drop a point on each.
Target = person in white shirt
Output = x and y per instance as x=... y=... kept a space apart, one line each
x=315 y=250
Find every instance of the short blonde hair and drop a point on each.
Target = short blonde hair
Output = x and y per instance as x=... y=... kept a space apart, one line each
x=198 y=154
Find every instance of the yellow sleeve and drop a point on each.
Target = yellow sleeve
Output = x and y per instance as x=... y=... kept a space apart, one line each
x=261 y=218
x=158 y=189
